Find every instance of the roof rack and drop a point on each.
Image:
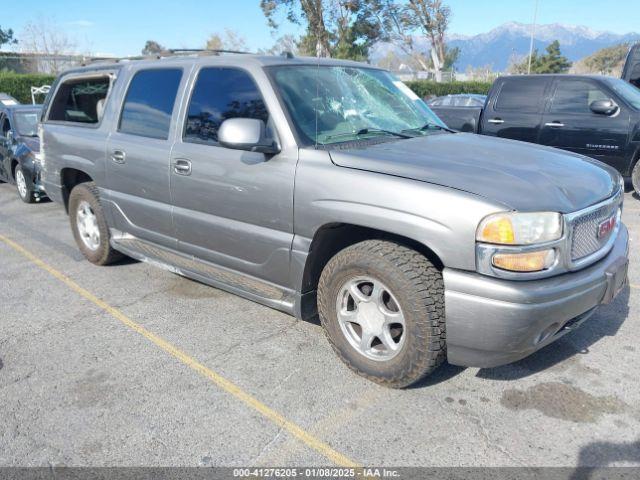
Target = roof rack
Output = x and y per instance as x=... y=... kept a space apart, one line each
x=171 y=52
x=204 y=51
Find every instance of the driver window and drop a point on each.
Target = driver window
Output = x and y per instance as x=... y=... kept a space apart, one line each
x=575 y=96
x=219 y=94
x=6 y=126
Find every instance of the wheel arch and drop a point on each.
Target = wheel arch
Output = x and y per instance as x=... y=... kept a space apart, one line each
x=330 y=239
x=69 y=178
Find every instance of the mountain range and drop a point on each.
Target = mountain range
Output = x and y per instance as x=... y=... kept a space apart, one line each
x=499 y=46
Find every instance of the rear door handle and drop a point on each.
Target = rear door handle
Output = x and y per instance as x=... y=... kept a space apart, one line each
x=554 y=124
x=496 y=121
x=182 y=166
x=118 y=156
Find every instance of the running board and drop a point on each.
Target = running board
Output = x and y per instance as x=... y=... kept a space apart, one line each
x=205 y=272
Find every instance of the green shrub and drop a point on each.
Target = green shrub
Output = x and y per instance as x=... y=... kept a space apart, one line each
x=427 y=88
x=19 y=85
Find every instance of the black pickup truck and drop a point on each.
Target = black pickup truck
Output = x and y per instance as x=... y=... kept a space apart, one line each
x=590 y=115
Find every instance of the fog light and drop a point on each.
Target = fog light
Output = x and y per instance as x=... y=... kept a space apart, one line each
x=525 y=262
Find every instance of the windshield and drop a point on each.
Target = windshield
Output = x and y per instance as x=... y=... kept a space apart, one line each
x=27 y=123
x=331 y=104
x=627 y=91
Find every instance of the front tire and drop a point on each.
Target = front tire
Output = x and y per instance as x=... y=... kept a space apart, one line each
x=24 y=191
x=89 y=225
x=382 y=308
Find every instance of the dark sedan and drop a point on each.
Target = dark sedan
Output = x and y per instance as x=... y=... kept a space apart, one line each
x=20 y=149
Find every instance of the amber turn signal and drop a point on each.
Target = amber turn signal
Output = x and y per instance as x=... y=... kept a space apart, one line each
x=525 y=262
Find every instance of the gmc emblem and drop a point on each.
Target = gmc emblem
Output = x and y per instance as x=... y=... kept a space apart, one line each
x=607 y=226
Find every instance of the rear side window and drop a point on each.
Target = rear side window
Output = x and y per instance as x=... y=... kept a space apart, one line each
x=575 y=96
x=524 y=95
x=149 y=103
x=80 y=100
x=219 y=94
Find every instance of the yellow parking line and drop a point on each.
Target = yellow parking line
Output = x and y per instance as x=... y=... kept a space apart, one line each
x=226 y=385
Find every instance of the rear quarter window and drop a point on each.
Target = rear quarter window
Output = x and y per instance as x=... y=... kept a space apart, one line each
x=80 y=100
x=524 y=95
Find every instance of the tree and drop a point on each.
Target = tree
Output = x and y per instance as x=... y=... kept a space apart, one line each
x=153 y=48
x=551 y=62
x=432 y=17
x=286 y=43
x=50 y=43
x=338 y=28
x=396 y=25
x=229 y=40
x=607 y=61
x=6 y=37
x=450 y=58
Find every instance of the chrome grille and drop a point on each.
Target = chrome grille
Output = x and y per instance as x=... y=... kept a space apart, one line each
x=585 y=241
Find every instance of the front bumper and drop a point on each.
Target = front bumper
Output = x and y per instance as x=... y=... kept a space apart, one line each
x=492 y=322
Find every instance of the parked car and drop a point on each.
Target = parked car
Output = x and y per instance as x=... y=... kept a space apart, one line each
x=7 y=100
x=19 y=150
x=458 y=100
x=590 y=115
x=631 y=70
x=318 y=186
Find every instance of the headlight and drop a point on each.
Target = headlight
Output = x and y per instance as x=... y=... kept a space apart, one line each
x=517 y=228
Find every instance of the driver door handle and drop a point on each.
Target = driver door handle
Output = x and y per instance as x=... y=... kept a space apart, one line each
x=182 y=166
x=554 y=124
x=496 y=121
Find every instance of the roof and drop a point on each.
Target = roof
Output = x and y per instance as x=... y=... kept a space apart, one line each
x=562 y=75
x=227 y=59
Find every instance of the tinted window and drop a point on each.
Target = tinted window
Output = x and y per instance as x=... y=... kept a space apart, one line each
x=523 y=95
x=219 y=94
x=149 y=103
x=77 y=100
x=575 y=96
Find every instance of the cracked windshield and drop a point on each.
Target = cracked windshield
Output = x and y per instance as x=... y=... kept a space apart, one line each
x=340 y=104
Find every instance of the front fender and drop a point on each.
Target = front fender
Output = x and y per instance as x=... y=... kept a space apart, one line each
x=442 y=219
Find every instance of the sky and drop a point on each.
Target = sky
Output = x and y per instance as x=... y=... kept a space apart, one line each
x=121 y=27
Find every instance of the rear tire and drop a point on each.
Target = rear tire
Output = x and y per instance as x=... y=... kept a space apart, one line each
x=22 y=187
x=409 y=339
x=89 y=225
x=635 y=177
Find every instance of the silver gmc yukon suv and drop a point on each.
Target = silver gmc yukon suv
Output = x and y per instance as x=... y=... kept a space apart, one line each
x=327 y=187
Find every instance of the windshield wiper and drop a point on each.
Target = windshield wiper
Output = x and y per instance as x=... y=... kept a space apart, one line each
x=429 y=126
x=370 y=131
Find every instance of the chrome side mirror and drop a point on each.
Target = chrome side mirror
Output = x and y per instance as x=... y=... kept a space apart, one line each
x=246 y=134
x=604 y=107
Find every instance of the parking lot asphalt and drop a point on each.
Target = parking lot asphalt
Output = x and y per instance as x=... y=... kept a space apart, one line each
x=131 y=365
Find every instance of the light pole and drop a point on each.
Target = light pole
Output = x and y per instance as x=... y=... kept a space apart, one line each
x=533 y=33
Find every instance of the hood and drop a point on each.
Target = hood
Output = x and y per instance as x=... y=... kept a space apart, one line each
x=32 y=143
x=522 y=176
